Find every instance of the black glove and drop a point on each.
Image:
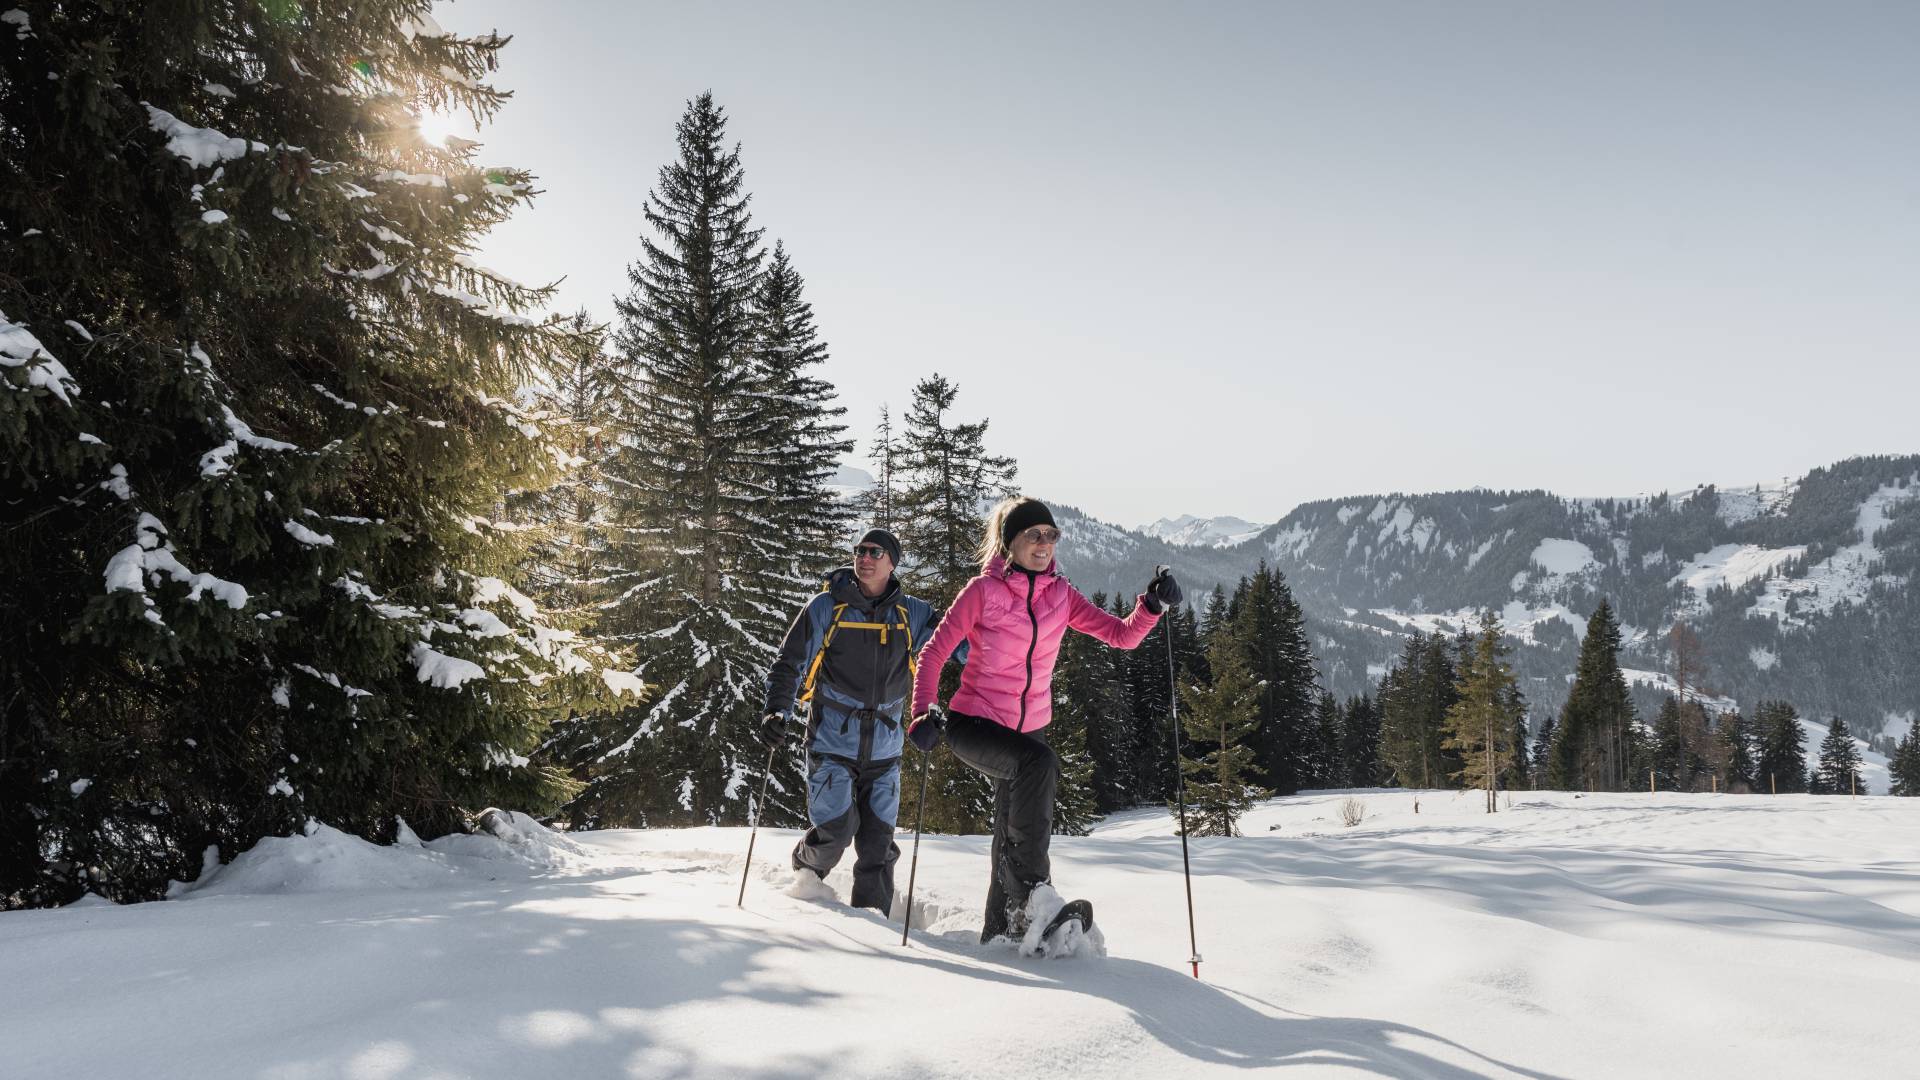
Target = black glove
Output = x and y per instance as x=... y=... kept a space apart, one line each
x=1163 y=592
x=773 y=729
x=924 y=732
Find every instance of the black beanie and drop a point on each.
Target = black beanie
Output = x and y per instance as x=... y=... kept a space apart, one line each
x=886 y=540
x=1025 y=515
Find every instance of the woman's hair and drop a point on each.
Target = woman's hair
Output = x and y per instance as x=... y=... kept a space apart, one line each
x=991 y=543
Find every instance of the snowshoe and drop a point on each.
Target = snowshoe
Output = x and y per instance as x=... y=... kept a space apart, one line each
x=1062 y=934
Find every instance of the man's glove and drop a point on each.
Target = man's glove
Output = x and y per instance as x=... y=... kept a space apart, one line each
x=773 y=729
x=1163 y=592
x=924 y=732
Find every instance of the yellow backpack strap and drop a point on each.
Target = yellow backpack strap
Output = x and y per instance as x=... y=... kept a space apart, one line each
x=906 y=624
x=813 y=669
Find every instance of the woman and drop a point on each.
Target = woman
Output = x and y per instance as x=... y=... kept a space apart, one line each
x=1012 y=618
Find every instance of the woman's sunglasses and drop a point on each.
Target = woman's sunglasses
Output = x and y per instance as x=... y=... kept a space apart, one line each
x=1041 y=534
x=869 y=551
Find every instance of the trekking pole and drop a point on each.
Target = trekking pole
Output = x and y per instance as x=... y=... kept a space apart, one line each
x=1180 y=787
x=913 y=867
x=754 y=833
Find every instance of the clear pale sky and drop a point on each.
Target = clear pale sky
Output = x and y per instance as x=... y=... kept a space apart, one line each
x=1224 y=258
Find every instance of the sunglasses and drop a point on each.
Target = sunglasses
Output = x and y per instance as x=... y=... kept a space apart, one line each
x=1041 y=534
x=869 y=551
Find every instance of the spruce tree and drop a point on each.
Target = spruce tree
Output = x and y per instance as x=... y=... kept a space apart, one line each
x=945 y=480
x=693 y=494
x=875 y=507
x=1905 y=764
x=1669 y=746
x=1543 y=745
x=1415 y=696
x=1324 y=766
x=1838 y=772
x=1519 y=774
x=1075 y=808
x=1736 y=753
x=1597 y=727
x=259 y=424
x=1218 y=719
x=1481 y=723
x=565 y=569
x=1360 y=741
x=1271 y=630
x=1783 y=756
x=805 y=528
x=1088 y=685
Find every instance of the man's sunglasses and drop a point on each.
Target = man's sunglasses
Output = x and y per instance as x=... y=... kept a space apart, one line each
x=869 y=551
x=1041 y=534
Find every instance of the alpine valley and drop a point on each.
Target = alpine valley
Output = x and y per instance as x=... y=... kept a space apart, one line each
x=1799 y=591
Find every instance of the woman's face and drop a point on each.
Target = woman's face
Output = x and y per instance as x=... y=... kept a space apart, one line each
x=1033 y=548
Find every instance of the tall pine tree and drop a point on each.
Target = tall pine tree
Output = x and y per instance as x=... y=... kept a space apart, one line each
x=1838 y=772
x=1905 y=765
x=1783 y=755
x=1480 y=725
x=945 y=481
x=702 y=502
x=259 y=421
x=1219 y=719
x=1595 y=737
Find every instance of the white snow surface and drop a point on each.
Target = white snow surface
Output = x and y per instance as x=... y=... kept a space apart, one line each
x=1564 y=937
x=1847 y=574
x=1733 y=565
x=1557 y=556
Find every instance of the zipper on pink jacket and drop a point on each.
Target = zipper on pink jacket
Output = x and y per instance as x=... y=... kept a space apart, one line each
x=1032 y=642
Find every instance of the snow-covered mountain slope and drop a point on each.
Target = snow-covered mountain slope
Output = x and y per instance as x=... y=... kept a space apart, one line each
x=1799 y=590
x=1567 y=936
x=1191 y=531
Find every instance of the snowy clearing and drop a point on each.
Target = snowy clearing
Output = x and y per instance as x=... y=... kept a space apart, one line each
x=1605 y=935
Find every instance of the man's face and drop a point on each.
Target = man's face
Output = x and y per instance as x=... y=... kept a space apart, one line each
x=871 y=567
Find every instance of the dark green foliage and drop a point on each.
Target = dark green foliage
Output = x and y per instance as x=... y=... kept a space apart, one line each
x=1272 y=634
x=720 y=521
x=1838 y=771
x=945 y=477
x=1594 y=737
x=1479 y=727
x=251 y=574
x=1905 y=764
x=1090 y=692
x=1736 y=753
x=1543 y=743
x=1414 y=698
x=1218 y=719
x=1360 y=742
x=1782 y=766
x=1321 y=763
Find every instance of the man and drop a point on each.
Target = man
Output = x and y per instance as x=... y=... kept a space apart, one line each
x=850 y=656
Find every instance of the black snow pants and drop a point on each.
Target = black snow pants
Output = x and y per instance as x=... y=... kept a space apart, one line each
x=1025 y=773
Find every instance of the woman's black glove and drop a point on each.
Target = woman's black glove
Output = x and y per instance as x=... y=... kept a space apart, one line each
x=924 y=732
x=1163 y=592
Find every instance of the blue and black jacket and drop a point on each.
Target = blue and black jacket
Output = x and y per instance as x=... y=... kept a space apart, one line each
x=852 y=657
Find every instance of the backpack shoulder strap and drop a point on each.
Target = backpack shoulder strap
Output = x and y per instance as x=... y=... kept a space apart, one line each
x=813 y=669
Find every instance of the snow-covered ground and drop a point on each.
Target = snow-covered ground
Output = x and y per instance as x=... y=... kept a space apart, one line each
x=1596 y=936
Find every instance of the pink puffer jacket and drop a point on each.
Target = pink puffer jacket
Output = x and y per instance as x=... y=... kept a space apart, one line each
x=1013 y=623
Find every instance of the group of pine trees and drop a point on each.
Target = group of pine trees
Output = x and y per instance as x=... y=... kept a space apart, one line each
x=307 y=517
x=261 y=416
